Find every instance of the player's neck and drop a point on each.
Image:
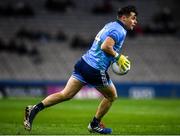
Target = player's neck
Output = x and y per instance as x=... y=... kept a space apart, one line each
x=121 y=23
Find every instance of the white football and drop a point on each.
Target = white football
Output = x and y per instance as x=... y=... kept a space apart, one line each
x=118 y=70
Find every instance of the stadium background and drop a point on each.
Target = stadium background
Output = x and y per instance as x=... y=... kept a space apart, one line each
x=40 y=40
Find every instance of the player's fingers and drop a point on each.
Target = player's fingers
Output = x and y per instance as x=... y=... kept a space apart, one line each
x=123 y=67
x=127 y=65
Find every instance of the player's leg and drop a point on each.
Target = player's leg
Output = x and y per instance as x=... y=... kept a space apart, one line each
x=72 y=87
x=110 y=94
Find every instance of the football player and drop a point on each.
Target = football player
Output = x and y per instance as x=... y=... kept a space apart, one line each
x=92 y=68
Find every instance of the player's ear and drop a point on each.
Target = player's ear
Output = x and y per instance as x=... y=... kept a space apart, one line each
x=123 y=18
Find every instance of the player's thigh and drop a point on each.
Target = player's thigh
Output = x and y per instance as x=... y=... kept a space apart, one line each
x=108 y=92
x=72 y=87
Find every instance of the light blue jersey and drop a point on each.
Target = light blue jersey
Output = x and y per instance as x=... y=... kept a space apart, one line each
x=96 y=57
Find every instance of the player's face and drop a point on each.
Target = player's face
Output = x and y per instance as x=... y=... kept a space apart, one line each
x=131 y=21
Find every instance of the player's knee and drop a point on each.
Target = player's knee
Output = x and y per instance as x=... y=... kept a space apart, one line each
x=115 y=97
x=112 y=98
x=67 y=96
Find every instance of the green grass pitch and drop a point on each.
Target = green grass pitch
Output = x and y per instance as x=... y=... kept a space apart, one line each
x=126 y=117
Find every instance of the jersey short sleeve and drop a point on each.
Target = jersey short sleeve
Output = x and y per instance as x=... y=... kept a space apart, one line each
x=95 y=56
x=115 y=35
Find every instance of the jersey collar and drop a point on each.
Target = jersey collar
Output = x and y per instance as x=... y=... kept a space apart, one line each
x=121 y=23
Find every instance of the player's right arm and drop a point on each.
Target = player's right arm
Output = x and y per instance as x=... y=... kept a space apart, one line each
x=107 y=46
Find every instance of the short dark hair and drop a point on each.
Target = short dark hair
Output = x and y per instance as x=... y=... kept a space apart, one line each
x=127 y=10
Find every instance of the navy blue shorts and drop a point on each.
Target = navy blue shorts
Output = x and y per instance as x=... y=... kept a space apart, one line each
x=89 y=75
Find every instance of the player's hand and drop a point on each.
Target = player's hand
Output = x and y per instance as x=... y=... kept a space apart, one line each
x=124 y=63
